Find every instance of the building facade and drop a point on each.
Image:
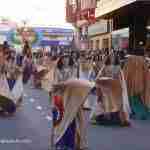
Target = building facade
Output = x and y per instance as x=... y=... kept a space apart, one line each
x=100 y=35
x=131 y=25
x=81 y=13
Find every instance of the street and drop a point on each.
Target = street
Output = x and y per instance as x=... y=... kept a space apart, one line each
x=106 y=42
x=31 y=125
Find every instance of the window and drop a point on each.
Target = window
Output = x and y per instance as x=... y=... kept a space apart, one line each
x=97 y=44
x=91 y=45
x=105 y=43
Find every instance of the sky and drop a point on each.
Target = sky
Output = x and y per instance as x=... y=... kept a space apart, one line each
x=35 y=12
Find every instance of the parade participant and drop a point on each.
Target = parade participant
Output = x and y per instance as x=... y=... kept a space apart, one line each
x=61 y=76
x=27 y=49
x=7 y=106
x=73 y=66
x=62 y=71
x=92 y=72
x=112 y=100
x=11 y=71
x=19 y=59
x=27 y=68
x=6 y=47
x=49 y=77
x=11 y=88
x=137 y=76
x=76 y=57
x=39 y=73
x=68 y=117
x=2 y=61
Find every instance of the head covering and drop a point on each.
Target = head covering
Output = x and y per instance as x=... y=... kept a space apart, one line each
x=5 y=45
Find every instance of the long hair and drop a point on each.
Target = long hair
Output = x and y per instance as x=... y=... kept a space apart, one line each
x=71 y=62
x=5 y=45
x=116 y=61
x=108 y=61
x=60 y=63
x=26 y=48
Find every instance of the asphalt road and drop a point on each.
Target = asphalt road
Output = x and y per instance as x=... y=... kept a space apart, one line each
x=29 y=129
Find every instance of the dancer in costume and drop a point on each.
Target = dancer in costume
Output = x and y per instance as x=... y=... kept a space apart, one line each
x=137 y=76
x=11 y=88
x=112 y=100
x=69 y=123
x=73 y=67
x=27 y=68
x=68 y=97
x=6 y=105
x=63 y=72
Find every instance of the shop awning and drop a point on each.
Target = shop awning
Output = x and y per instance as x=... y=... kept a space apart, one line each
x=123 y=8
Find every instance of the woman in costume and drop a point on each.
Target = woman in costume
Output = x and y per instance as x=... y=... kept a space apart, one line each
x=137 y=77
x=11 y=85
x=67 y=99
x=6 y=104
x=27 y=68
x=68 y=116
x=62 y=72
x=112 y=100
x=73 y=66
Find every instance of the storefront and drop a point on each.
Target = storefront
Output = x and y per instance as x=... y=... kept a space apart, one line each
x=132 y=15
x=99 y=35
x=148 y=34
x=120 y=39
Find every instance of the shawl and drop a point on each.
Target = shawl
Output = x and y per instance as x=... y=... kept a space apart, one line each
x=113 y=90
x=16 y=92
x=147 y=90
x=74 y=95
x=135 y=72
x=111 y=94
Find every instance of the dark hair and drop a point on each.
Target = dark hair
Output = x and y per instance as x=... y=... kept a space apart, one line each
x=106 y=51
x=5 y=45
x=54 y=58
x=29 y=55
x=60 y=63
x=108 y=61
x=116 y=60
x=76 y=55
x=71 y=62
x=26 y=48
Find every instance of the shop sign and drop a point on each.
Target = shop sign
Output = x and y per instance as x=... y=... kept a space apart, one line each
x=98 y=28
